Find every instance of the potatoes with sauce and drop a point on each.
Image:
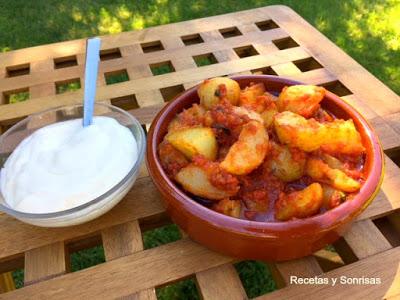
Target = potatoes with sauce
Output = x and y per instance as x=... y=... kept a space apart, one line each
x=260 y=157
x=296 y=131
x=250 y=97
x=193 y=141
x=249 y=151
x=211 y=91
x=338 y=136
x=320 y=171
x=286 y=163
x=228 y=207
x=301 y=99
x=299 y=204
x=196 y=180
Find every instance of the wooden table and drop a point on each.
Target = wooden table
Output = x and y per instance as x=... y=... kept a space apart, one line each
x=268 y=40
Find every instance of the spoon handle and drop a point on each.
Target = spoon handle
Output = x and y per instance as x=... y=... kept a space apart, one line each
x=91 y=68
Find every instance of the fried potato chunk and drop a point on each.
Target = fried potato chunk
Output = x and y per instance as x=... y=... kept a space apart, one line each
x=194 y=141
x=299 y=204
x=342 y=138
x=320 y=171
x=191 y=117
x=249 y=97
x=301 y=99
x=332 y=162
x=211 y=91
x=269 y=114
x=196 y=180
x=296 y=131
x=228 y=207
x=286 y=163
x=332 y=197
x=249 y=151
x=252 y=115
x=309 y=135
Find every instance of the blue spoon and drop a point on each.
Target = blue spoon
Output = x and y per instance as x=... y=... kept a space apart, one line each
x=91 y=68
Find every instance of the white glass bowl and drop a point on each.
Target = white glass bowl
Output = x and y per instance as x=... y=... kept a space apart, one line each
x=94 y=208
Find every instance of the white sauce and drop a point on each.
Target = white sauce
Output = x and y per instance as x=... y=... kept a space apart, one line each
x=64 y=165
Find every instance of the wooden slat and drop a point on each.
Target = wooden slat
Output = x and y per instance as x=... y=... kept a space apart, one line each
x=286 y=69
x=387 y=198
x=361 y=106
x=129 y=274
x=6 y=282
x=304 y=267
x=388 y=137
x=365 y=239
x=150 y=98
x=220 y=283
x=44 y=88
x=122 y=240
x=383 y=266
x=45 y=262
x=328 y=260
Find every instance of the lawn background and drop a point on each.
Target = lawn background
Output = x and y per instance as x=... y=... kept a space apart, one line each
x=369 y=31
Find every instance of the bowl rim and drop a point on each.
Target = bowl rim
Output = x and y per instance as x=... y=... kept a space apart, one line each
x=141 y=144
x=325 y=221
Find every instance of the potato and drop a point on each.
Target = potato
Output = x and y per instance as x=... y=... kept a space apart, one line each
x=285 y=163
x=268 y=114
x=211 y=91
x=195 y=180
x=332 y=197
x=252 y=115
x=309 y=135
x=320 y=171
x=332 y=162
x=249 y=151
x=299 y=204
x=228 y=207
x=343 y=138
x=191 y=117
x=296 y=131
x=301 y=99
x=193 y=141
x=249 y=97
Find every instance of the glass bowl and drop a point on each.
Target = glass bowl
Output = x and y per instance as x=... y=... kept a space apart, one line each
x=89 y=210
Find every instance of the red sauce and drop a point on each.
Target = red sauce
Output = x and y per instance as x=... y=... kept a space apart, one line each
x=218 y=177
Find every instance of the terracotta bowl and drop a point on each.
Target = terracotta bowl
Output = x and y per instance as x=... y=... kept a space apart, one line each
x=271 y=241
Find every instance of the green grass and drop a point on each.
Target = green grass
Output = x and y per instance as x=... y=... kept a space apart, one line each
x=86 y=258
x=68 y=87
x=367 y=30
x=18 y=276
x=205 y=60
x=117 y=77
x=185 y=289
x=18 y=97
x=256 y=278
x=162 y=68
